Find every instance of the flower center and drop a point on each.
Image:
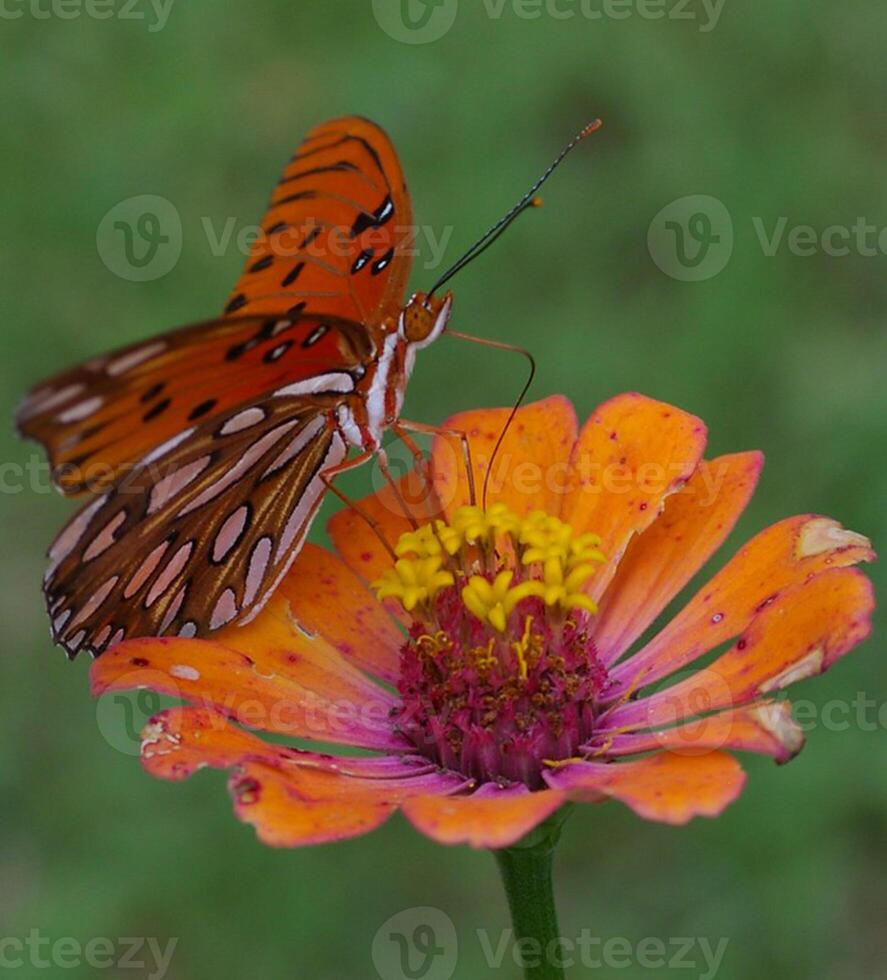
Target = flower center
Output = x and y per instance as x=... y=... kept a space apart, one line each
x=499 y=673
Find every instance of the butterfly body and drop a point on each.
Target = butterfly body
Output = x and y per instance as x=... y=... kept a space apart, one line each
x=208 y=449
x=381 y=392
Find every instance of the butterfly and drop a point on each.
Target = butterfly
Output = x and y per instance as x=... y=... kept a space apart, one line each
x=207 y=450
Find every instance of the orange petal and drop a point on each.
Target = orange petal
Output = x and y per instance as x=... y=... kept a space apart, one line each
x=662 y=560
x=356 y=541
x=632 y=453
x=276 y=680
x=179 y=741
x=327 y=598
x=667 y=787
x=291 y=796
x=766 y=727
x=265 y=798
x=530 y=471
x=492 y=817
x=783 y=555
x=800 y=635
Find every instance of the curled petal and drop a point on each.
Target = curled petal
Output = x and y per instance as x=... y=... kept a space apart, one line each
x=784 y=555
x=800 y=635
x=766 y=727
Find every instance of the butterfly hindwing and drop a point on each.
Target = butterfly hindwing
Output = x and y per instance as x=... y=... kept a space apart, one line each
x=198 y=533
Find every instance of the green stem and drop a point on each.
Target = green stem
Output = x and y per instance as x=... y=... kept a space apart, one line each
x=526 y=874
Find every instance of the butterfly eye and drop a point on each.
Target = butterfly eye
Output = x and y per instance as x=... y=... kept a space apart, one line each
x=425 y=317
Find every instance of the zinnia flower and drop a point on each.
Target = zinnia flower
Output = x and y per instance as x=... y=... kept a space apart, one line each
x=496 y=673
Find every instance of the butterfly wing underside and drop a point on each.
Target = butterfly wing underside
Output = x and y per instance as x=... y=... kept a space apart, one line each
x=197 y=535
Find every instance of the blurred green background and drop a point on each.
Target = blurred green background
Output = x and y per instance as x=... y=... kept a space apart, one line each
x=777 y=111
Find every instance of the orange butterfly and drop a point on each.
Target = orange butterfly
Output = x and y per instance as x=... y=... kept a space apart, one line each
x=211 y=446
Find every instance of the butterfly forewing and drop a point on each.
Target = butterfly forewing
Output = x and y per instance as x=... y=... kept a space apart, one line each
x=97 y=420
x=337 y=233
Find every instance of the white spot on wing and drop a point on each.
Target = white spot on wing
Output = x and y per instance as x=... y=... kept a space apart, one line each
x=105 y=538
x=58 y=624
x=81 y=411
x=167 y=446
x=305 y=436
x=225 y=610
x=145 y=570
x=248 y=459
x=336 y=382
x=170 y=486
x=94 y=601
x=230 y=532
x=126 y=362
x=46 y=399
x=167 y=576
x=242 y=420
x=185 y=672
x=173 y=610
x=71 y=534
x=258 y=565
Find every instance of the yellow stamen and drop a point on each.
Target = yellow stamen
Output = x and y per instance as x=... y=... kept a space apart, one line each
x=522 y=647
x=560 y=763
x=413 y=580
x=558 y=563
x=422 y=543
x=491 y=602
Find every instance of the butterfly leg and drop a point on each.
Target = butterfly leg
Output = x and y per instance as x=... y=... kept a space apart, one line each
x=403 y=426
x=395 y=489
x=327 y=477
x=423 y=468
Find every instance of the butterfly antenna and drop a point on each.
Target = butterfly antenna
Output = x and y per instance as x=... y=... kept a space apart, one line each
x=499 y=345
x=529 y=200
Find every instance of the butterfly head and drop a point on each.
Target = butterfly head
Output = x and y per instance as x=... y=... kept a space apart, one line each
x=424 y=318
